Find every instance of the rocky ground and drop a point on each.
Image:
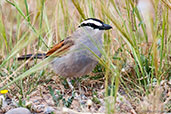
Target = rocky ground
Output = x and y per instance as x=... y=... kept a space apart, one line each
x=43 y=101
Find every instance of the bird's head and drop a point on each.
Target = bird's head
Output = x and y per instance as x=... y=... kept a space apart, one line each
x=94 y=23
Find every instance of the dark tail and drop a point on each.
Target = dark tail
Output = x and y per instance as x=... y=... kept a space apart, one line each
x=32 y=56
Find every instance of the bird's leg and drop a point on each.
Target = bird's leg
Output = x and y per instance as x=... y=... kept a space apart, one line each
x=80 y=90
x=69 y=83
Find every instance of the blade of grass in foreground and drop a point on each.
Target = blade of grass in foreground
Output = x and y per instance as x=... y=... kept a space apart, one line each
x=126 y=39
x=76 y=4
x=20 y=45
x=2 y=31
x=28 y=72
x=25 y=17
x=29 y=24
x=27 y=11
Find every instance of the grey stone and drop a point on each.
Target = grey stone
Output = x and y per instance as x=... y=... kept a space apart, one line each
x=49 y=110
x=18 y=111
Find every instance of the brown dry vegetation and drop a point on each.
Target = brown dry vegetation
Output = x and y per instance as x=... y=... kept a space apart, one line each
x=132 y=77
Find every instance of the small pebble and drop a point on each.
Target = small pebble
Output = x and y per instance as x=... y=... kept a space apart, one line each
x=89 y=102
x=49 y=110
x=2 y=100
x=18 y=111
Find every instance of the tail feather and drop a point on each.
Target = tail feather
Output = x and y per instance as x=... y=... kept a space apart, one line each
x=32 y=56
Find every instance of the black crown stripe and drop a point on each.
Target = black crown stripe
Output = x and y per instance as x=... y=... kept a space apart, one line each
x=94 y=19
x=92 y=25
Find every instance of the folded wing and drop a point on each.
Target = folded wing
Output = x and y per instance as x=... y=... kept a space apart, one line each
x=61 y=48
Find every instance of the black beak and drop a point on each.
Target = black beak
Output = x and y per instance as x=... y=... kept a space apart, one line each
x=106 y=26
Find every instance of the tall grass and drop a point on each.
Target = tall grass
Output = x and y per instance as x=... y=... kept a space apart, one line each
x=34 y=26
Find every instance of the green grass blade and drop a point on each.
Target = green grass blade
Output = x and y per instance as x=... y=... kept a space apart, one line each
x=79 y=9
x=28 y=72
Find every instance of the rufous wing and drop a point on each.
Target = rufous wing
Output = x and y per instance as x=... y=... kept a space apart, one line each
x=61 y=48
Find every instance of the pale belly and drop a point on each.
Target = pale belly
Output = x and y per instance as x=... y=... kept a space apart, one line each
x=75 y=64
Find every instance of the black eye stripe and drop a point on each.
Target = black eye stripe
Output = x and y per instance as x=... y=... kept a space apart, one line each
x=92 y=25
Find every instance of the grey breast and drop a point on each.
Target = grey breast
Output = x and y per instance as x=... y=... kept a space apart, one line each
x=80 y=60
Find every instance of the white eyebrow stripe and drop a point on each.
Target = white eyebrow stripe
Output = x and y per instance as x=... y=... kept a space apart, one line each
x=92 y=21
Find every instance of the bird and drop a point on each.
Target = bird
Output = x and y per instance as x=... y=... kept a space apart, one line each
x=79 y=50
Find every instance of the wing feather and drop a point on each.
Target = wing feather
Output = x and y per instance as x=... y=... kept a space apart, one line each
x=62 y=47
